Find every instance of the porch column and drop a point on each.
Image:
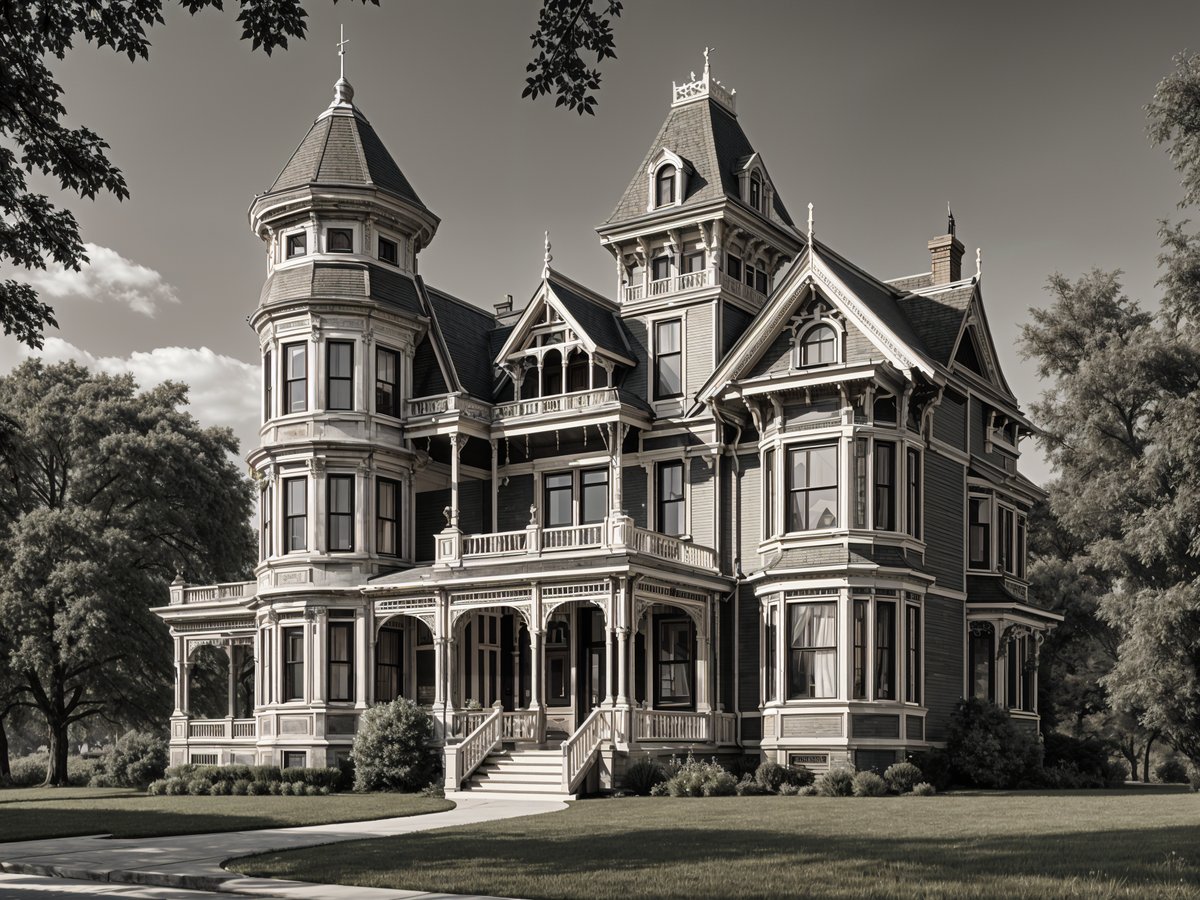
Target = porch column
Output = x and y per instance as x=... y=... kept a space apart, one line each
x=615 y=441
x=622 y=666
x=591 y=372
x=454 y=441
x=495 y=487
x=187 y=687
x=535 y=668
x=703 y=667
x=180 y=676
x=364 y=657
x=564 y=357
x=231 y=686
x=608 y=660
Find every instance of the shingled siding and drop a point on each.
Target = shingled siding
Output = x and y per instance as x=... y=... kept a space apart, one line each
x=944 y=509
x=513 y=502
x=750 y=511
x=633 y=492
x=777 y=357
x=635 y=378
x=698 y=343
x=949 y=421
x=726 y=486
x=734 y=323
x=875 y=725
x=747 y=642
x=702 y=495
x=427 y=373
x=429 y=506
x=859 y=347
x=943 y=663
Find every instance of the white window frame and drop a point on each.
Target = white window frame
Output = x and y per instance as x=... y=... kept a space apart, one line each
x=356 y=238
x=664 y=157
x=802 y=332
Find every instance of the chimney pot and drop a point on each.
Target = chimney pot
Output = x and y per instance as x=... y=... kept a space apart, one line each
x=505 y=305
x=945 y=258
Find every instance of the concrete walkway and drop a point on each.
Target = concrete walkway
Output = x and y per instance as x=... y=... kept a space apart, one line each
x=193 y=861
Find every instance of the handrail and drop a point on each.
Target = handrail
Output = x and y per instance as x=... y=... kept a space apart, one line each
x=464 y=758
x=663 y=725
x=665 y=546
x=581 y=748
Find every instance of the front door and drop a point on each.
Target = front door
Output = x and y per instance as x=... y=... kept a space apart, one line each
x=483 y=666
x=593 y=687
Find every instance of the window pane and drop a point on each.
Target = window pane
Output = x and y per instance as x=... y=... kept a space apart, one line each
x=341 y=512
x=733 y=267
x=385 y=382
x=860 y=649
x=558 y=497
x=387 y=250
x=664 y=192
x=339 y=240
x=296 y=378
x=297 y=244
x=660 y=268
x=885 y=651
x=694 y=262
x=822 y=508
x=595 y=496
x=823 y=462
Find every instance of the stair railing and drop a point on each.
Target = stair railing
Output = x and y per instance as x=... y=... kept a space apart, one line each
x=581 y=748
x=464 y=757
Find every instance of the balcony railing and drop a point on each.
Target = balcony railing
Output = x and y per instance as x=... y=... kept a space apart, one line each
x=740 y=289
x=656 y=725
x=223 y=729
x=496 y=544
x=211 y=593
x=674 y=284
x=664 y=546
x=576 y=401
x=424 y=407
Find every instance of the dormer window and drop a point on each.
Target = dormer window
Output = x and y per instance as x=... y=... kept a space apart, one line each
x=297 y=244
x=756 y=191
x=818 y=347
x=339 y=240
x=664 y=186
x=388 y=251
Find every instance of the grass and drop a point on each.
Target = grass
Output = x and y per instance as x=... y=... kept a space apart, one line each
x=1121 y=843
x=34 y=813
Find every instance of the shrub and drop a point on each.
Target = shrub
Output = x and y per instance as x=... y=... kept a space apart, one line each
x=135 y=759
x=1171 y=771
x=935 y=766
x=837 y=782
x=257 y=788
x=698 y=778
x=157 y=788
x=748 y=787
x=788 y=789
x=809 y=790
x=902 y=776
x=771 y=776
x=30 y=770
x=199 y=787
x=986 y=750
x=643 y=775
x=276 y=788
x=241 y=787
x=177 y=787
x=924 y=789
x=869 y=784
x=1080 y=763
x=222 y=788
x=801 y=776
x=392 y=749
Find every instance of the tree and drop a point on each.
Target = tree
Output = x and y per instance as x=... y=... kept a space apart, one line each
x=105 y=494
x=34 y=137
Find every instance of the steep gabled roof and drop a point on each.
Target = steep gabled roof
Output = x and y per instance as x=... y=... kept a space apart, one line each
x=709 y=138
x=937 y=315
x=466 y=331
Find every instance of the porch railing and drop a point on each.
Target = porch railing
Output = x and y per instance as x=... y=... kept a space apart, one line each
x=237 y=590
x=726 y=728
x=739 y=288
x=657 y=725
x=495 y=544
x=575 y=401
x=519 y=725
x=222 y=729
x=665 y=546
x=580 y=749
x=536 y=540
x=464 y=758
x=573 y=536
x=469 y=408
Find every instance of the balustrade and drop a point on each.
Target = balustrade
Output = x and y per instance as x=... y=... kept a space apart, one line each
x=464 y=758
x=658 y=725
x=580 y=749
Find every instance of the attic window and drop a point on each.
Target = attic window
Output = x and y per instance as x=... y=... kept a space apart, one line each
x=339 y=240
x=968 y=353
x=818 y=347
x=755 y=191
x=388 y=251
x=297 y=244
x=664 y=186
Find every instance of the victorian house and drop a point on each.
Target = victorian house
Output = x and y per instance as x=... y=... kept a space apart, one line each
x=746 y=499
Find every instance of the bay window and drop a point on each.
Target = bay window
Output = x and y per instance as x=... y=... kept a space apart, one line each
x=340 y=519
x=387 y=517
x=812 y=658
x=769 y=494
x=295 y=514
x=912 y=646
x=861 y=608
x=670 y=510
x=266 y=515
x=981 y=662
x=341 y=661
x=770 y=636
x=293 y=664
x=1007 y=535
x=861 y=446
x=1020 y=673
x=885 y=650
x=812 y=487
x=979 y=532
x=387 y=398
x=295 y=375
x=912 y=508
x=268 y=377
x=339 y=375
x=674 y=663
x=885 y=486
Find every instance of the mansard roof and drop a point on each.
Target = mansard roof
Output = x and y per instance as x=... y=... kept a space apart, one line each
x=341 y=148
x=709 y=138
x=347 y=279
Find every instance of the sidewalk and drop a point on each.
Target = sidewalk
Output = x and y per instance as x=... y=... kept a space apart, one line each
x=193 y=861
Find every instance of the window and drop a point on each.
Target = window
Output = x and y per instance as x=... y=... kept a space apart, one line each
x=339 y=240
x=557 y=500
x=293 y=664
x=861 y=448
x=1022 y=531
x=268 y=375
x=694 y=262
x=885 y=650
x=295 y=375
x=812 y=488
x=733 y=267
x=982 y=662
x=1020 y=674
x=297 y=244
x=558 y=660
x=341 y=512
x=388 y=251
x=264 y=514
x=818 y=347
x=387 y=398
x=668 y=359
x=664 y=186
x=340 y=375
x=760 y=280
x=770 y=636
x=885 y=409
x=750 y=274
x=812 y=667
x=769 y=494
x=885 y=486
x=860 y=649
x=341 y=661
x=295 y=514
x=673 y=663
x=389 y=669
x=295 y=759
x=912 y=645
x=670 y=498
x=912 y=508
x=660 y=268
x=593 y=500
x=979 y=538
x=1007 y=537
x=387 y=517
x=755 y=191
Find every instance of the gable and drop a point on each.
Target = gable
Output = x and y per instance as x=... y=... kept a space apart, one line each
x=968 y=355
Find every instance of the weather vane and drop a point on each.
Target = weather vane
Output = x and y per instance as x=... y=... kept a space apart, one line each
x=341 y=45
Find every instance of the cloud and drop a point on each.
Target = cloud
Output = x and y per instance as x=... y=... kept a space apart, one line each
x=222 y=390
x=107 y=277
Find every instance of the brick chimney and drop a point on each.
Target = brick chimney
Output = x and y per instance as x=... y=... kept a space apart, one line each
x=946 y=253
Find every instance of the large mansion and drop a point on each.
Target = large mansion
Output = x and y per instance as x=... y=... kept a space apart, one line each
x=747 y=499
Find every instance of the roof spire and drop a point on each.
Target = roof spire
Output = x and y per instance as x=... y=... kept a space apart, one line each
x=343 y=93
x=341 y=45
x=949 y=219
x=546 y=260
x=810 y=225
x=978 y=263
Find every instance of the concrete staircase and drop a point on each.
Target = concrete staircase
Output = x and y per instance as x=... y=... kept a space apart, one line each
x=517 y=774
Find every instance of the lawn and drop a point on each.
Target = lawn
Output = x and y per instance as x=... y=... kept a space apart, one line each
x=1121 y=843
x=31 y=813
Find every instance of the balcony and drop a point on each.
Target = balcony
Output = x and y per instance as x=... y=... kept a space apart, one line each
x=691 y=281
x=182 y=594
x=595 y=400
x=223 y=729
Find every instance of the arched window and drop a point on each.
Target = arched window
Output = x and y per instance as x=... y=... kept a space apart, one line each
x=755 y=191
x=664 y=186
x=818 y=347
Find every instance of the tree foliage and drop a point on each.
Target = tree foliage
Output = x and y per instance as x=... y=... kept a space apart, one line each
x=105 y=494
x=35 y=138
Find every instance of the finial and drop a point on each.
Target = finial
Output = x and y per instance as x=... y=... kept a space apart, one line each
x=707 y=50
x=810 y=224
x=950 y=218
x=341 y=45
x=547 y=259
x=978 y=262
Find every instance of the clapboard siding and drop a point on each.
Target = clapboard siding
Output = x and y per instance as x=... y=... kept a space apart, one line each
x=943 y=662
x=875 y=725
x=944 y=511
x=635 y=378
x=701 y=497
x=777 y=357
x=950 y=421
x=725 y=648
x=750 y=511
x=514 y=501
x=748 y=618
x=698 y=340
x=429 y=520
x=634 y=494
x=914 y=728
x=734 y=324
x=859 y=347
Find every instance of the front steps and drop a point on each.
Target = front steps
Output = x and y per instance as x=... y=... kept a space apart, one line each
x=516 y=774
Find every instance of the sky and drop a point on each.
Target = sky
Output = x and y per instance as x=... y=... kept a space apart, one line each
x=1027 y=117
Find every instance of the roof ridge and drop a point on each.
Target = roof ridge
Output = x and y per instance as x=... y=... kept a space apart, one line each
x=942 y=288
x=473 y=307
x=593 y=295
x=823 y=247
